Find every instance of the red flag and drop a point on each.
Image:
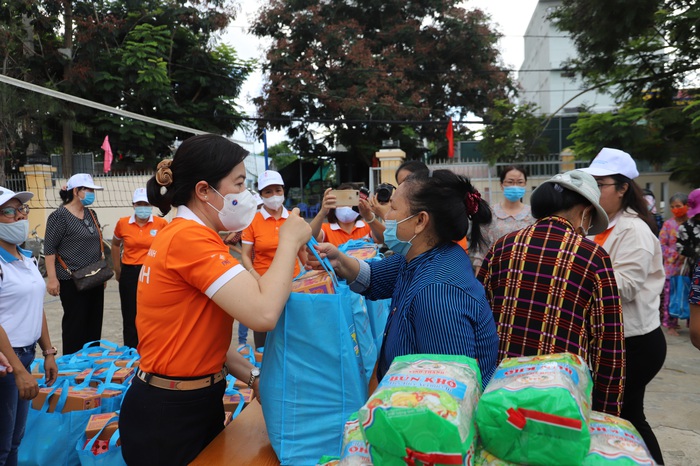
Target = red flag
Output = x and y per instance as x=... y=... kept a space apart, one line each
x=108 y=154
x=450 y=140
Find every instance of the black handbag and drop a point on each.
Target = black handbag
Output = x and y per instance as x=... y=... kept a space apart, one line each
x=91 y=275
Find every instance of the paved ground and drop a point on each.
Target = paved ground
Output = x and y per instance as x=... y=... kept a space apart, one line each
x=672 y=401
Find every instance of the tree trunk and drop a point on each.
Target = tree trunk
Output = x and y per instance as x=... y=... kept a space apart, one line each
x=68 y=118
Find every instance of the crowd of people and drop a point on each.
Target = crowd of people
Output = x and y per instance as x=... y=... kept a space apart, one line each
x=587 y=267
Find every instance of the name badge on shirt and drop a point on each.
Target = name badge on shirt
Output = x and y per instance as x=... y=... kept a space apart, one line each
x=154 y=232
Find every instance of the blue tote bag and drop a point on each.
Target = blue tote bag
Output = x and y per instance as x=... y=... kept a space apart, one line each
x=113 y=455
x=678 y=305
x=312 y=375
x=48 y=437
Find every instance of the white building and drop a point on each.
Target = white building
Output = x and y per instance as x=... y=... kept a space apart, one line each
x=541 y=76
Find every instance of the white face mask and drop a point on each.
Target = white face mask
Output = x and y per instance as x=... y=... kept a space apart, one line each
x=273 y=202
x=238 y=210
x=15 y=232
x=345 y=214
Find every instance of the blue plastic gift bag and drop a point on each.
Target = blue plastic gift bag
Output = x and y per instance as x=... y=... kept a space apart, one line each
x=48 y=436
x=111 y=457
x=678 y=305
x=312 y=375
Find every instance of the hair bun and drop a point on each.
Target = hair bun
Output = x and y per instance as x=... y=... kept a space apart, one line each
x=164 y=175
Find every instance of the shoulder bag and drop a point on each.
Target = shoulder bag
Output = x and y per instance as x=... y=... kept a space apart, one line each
x=91 y=275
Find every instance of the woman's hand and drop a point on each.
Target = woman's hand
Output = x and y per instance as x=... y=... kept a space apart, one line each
x=296 y=229
x=26 y=384
x=379 y=209
x=6 y=363
x=53 y=286
x=366 y=211
x=50 y=369
x=328 y=202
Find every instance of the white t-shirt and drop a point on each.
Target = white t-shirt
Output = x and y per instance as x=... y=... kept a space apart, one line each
x=22 y=290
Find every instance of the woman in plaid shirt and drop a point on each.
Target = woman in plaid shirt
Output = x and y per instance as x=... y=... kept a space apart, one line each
x=552 y=290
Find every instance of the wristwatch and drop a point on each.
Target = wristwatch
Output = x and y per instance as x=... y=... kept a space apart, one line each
x=254 y=374
x=51 y=350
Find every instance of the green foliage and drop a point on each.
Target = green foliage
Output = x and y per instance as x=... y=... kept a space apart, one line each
x=159 y=58
x=281 y=154
x=649 y=51
x=360 y=68
x=514 y=133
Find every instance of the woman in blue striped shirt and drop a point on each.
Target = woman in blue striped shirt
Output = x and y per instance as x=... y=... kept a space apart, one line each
x=437 y=305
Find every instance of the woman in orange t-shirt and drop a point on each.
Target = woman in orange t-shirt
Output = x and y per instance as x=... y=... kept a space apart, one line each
x=135 y=233
x=344 y=223
x=190 y=290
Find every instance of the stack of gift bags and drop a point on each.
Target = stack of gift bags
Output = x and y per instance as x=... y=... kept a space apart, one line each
x=75 y=421
x=429 y=410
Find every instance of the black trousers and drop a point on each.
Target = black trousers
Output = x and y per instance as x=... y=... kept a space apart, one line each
x=128 y=281
x=169 y=427
x=645 y=357
x=82 y=315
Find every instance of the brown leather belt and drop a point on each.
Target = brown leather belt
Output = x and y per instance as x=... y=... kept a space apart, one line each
x=174 y=384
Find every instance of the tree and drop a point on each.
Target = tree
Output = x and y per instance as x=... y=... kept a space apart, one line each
x=351 y=73
x=513 y=133
x=282 y=154
x=157 y=58
x=650 y=52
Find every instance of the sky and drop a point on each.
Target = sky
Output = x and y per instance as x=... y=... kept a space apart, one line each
x=511 y=18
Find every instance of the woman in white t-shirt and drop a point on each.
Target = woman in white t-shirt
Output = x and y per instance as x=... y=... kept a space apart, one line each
x=22 y=323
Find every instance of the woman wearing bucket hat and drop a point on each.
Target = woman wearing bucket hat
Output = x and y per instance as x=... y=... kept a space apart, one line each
x=22 y=323
x=637 y=260
x=552 y=290
x=688 y=246
x=73 y=236
x=135 y=233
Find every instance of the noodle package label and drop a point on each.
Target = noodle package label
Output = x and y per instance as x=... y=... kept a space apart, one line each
x=535 y=410
x=615 y=441
x=422 y=412
x=355 y=451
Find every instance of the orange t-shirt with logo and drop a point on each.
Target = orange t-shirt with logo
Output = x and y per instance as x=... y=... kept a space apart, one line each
x=264 y=234
x=332 y=233
x=137 y=239
x=182 y=332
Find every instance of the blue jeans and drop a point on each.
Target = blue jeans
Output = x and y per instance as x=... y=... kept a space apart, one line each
x=242 y=334
x=13 y=411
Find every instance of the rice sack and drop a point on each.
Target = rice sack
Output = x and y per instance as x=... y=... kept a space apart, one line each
x=535 y=410
x=615 y=441
x=422 y=412
x=484 y=458
x=355 y=449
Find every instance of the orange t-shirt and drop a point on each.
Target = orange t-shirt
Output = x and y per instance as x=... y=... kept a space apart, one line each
x=137 y=239
x=332 y=233
x=264 y=234
x=182 y=332
x=463 y=243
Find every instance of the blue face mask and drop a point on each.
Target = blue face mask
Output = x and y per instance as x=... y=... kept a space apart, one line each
x=143 y=212
x=88 y=199
x=392 y=241
x=513 y=193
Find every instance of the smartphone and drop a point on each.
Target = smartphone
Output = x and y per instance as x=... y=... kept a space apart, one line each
x=346 y=197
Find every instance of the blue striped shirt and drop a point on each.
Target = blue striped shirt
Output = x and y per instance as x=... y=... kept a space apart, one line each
x=437 y=307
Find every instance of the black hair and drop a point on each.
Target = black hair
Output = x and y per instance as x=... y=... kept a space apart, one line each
x=331 y=213
x=634 y=199
x=205 y=157
x=447 y=198
x=68 y=194
x=547 y=200
x=509 y=168
x=411 y=166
